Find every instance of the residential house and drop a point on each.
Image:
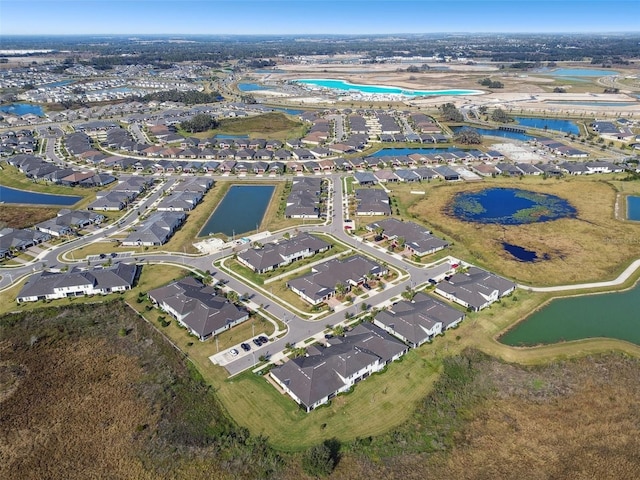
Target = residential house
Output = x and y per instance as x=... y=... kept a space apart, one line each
x=78 y=282
x=274 y=255
x=320 y=285
x=419 y=320
x=475 y=289
x=199 y=308
x=326 y=371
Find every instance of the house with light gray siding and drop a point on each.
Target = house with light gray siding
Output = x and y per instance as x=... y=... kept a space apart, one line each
x=320 y=285
x=418 y=320
x=326 y=371
x=475 y=289
x=78 y=282
x=199 y=308
x=274 y=255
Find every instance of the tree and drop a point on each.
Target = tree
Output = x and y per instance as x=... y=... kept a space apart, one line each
x=199 y=123
x=340 y=289
x=500 y=116
x=450 y=113
x=468 y=136
x=232 y=296
x=318 y=461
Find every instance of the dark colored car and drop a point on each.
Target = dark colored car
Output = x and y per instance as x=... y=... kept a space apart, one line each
x=245 y=346
x=263 y=339
x=257 y=342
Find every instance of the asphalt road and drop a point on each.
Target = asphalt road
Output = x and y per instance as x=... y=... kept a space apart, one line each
x=298 y=329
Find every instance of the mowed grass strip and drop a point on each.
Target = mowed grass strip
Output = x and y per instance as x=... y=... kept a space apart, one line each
x=375 y=405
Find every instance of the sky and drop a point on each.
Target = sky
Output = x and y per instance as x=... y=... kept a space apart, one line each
x=26 y=17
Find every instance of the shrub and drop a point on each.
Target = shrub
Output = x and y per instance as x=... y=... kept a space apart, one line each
x=317 y=461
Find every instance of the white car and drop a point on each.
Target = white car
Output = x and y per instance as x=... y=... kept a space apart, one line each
x=233 y=352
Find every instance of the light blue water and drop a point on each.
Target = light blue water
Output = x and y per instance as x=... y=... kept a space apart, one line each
x=580 y=72
x=384 y=89
x=633 y=208
x=240 y=211
x=12 y=195
x=559 y=125
x=250 y=87
x=22 y=109
x=57 y=84
x=498 y=133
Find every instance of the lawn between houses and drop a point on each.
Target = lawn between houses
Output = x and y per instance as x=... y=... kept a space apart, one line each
x=594 y=246
x=385 y=400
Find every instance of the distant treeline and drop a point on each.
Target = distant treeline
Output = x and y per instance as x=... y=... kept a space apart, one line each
x=188 y=98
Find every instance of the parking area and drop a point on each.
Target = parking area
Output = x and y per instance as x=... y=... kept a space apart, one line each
x=250 y=347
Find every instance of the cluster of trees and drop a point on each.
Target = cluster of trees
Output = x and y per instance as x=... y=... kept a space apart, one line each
x=450 y=113
x=188 y=98
x=500 y=116
x=199 y=123
x=487 y=82
x=468 y=136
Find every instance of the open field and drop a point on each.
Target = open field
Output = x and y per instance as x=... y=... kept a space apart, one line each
x=112 y=398
x=24 y=216
x=594 y=246
x=270 y=126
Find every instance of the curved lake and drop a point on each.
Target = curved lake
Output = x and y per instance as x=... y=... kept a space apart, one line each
x=494 y=132
x=566 y=126
x=633 y=208
x=22 y=109
x=250 y=87
x=611 y=315
x=241 y=210
x=12 y=195
x=509 y=206
x=381 y=89
x=578 y=72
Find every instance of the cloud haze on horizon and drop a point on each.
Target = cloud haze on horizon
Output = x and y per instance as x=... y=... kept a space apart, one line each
x=315 y=16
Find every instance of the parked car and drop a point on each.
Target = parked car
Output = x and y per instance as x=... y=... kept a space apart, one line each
x=263 y=339
x=233 y=352
x=257 y=342
x=245 y=346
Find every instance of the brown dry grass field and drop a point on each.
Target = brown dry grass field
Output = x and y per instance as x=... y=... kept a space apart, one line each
x=594 y=246
x=23 y=216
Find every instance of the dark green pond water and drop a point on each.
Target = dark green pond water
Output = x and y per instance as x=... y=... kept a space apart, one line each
x=611 y=315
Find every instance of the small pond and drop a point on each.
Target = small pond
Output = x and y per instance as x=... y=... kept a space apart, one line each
x=520 y=253
x=498 y=133
x=509 y=206
x=12 y=195
x=22 y=109
x=633 y=208
x=250 y=87
x=611 y=315
x=241 y=210
x=560 y=125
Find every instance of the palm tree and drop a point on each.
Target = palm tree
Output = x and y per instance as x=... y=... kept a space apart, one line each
x=340 y=289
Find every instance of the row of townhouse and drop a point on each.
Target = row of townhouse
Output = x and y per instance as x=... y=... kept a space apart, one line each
x=199 y=308
x=274 y=255
x=16 y=240
x=121 y=194
x=305 y=198
x=16 y=142
x=325 y=278
x=565 y=168
x=77 y=282
x=38 y=169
